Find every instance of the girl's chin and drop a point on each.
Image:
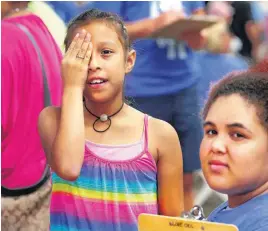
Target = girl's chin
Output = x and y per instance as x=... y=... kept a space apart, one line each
x=98 y=98
x=219 y=184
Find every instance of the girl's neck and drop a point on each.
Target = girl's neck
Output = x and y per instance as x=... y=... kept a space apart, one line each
x=236 y=200
x=107 y=108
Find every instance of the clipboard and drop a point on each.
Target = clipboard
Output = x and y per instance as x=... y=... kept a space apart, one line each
x=149 y=222
x=194 y=23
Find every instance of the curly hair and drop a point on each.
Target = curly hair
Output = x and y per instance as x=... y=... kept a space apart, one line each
x=251 y=85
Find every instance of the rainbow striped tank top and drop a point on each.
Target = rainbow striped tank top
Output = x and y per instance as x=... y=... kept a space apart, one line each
x=109 y=194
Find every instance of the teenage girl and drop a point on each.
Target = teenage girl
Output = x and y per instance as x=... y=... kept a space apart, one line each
x=234 y=150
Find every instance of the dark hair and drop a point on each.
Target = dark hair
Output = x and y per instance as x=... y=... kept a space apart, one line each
x=251 y=85
x=95 y=14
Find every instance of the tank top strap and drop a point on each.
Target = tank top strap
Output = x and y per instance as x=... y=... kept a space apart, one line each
x=146 y=117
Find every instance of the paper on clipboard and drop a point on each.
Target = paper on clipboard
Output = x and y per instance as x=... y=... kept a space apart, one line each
x=149 y=222
x=194 y=23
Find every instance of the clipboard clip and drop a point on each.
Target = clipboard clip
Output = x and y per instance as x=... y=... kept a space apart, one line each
x=196 y=213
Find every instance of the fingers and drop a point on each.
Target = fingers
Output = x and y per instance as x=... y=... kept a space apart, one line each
x=72 y=45
x=88 y=54
x=78 y=45
x=190 y=35
x=194 y=39
x=83 y=50
x=80 y=48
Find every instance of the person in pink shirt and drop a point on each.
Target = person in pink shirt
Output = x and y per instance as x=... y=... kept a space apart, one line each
x=25 y=67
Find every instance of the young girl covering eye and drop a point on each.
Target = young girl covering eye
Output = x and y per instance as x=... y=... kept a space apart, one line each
x=110 y=162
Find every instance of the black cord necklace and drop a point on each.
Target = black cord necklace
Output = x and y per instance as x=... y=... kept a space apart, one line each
x=103 y=118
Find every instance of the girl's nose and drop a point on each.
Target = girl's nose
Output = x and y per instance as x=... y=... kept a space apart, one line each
x=218 y=145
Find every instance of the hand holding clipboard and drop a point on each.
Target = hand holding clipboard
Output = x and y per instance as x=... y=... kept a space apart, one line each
x=183 y=25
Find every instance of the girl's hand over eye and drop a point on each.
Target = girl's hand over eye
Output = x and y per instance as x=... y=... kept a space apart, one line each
x=75 y=63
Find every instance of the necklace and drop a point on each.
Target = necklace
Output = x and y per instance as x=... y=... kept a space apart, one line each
x=103 y=118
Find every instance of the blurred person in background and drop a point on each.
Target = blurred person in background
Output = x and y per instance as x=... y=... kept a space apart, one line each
x=65 y=9
x=220 y=57
x=260 y=14
x=68 y=9
x=26 y=188
x=247 y=27
x=164 y=80
x=53 y=22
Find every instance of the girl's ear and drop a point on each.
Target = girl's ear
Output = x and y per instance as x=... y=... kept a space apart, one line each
x=130 y=62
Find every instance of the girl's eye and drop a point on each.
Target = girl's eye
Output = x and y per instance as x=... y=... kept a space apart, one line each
x=237 y=135
x=211 y=132
x=106 y=52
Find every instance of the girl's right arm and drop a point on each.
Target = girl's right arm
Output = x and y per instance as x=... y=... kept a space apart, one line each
x=62 y=130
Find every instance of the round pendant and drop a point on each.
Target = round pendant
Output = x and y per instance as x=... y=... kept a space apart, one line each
x=103 y=117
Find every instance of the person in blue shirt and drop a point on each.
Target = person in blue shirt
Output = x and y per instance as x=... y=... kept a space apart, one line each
x=215 y=66
x=68 y=9
x=234 y=149
x=65 y=9
x=220 y=59
x=164 y=81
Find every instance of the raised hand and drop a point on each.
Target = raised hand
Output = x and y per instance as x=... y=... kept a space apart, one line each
x=167 y=18
x=75 y=63
x=195 y=39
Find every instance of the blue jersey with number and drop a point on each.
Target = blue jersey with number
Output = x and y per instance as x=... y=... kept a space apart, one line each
x=163 y=66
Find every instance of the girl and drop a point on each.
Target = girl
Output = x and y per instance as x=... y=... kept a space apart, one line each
x=234 y=150
x=110 y=162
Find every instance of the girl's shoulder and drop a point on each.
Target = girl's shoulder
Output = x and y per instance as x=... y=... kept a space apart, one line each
x=158 y=129
x=50 y=112
x=161 y=129
x=49 y=116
